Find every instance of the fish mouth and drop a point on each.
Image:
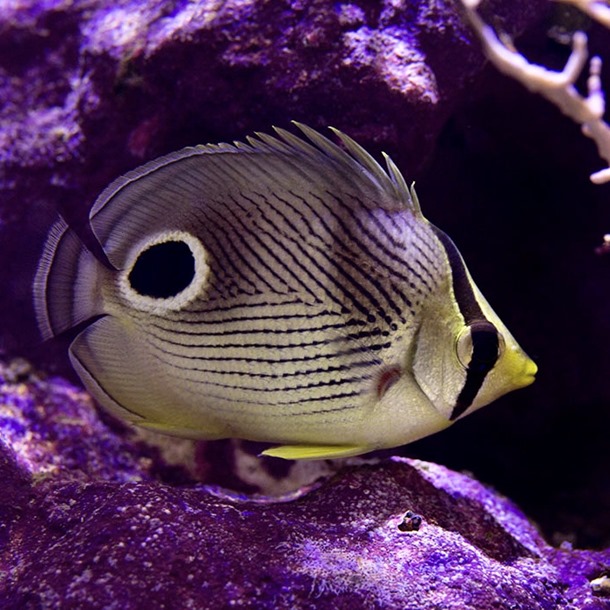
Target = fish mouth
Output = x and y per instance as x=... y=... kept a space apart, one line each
x=529 y=373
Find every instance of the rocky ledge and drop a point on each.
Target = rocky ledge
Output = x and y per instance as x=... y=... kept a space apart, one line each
x=95 y=516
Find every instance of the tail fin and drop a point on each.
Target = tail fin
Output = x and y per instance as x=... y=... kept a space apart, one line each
x=66 y=285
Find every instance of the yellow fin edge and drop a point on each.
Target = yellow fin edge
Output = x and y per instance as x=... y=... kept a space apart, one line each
x=315 y=452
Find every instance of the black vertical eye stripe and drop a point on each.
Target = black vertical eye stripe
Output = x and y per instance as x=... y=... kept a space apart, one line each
x=485 y=351
x=467 y=302
x=485 y=345
x=485 y=340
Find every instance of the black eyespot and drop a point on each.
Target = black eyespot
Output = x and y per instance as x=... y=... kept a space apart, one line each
x=163 y=270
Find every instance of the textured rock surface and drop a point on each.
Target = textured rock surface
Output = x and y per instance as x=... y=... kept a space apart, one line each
x=92 y=520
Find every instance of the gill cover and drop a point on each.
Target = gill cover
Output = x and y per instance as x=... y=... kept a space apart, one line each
x=465 y=357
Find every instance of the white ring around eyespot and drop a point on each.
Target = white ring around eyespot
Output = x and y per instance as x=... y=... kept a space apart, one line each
x=184 y=297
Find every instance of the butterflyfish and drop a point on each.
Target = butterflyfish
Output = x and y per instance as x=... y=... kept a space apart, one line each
x=285 y=289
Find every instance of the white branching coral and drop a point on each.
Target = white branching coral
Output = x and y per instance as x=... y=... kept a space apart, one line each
x=558 y=87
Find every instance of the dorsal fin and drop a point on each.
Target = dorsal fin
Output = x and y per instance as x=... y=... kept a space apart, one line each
x=358 y=159
x=163 y=194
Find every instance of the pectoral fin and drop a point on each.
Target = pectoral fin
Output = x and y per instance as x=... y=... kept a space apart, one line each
x=315 y=452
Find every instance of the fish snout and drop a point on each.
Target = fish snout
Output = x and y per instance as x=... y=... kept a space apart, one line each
x=529 y=371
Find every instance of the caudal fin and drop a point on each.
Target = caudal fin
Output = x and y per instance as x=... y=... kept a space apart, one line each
x=66 y=285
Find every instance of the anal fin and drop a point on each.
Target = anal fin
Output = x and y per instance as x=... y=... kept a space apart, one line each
x=315 y=452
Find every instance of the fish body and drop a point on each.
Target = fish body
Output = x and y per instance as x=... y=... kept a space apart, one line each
x=279 y=290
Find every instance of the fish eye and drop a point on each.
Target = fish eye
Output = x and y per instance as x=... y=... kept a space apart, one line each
x=166 y=272
x=479 y=345
x=463 y=346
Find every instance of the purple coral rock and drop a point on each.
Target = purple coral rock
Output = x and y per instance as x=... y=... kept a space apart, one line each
x=96 y=528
